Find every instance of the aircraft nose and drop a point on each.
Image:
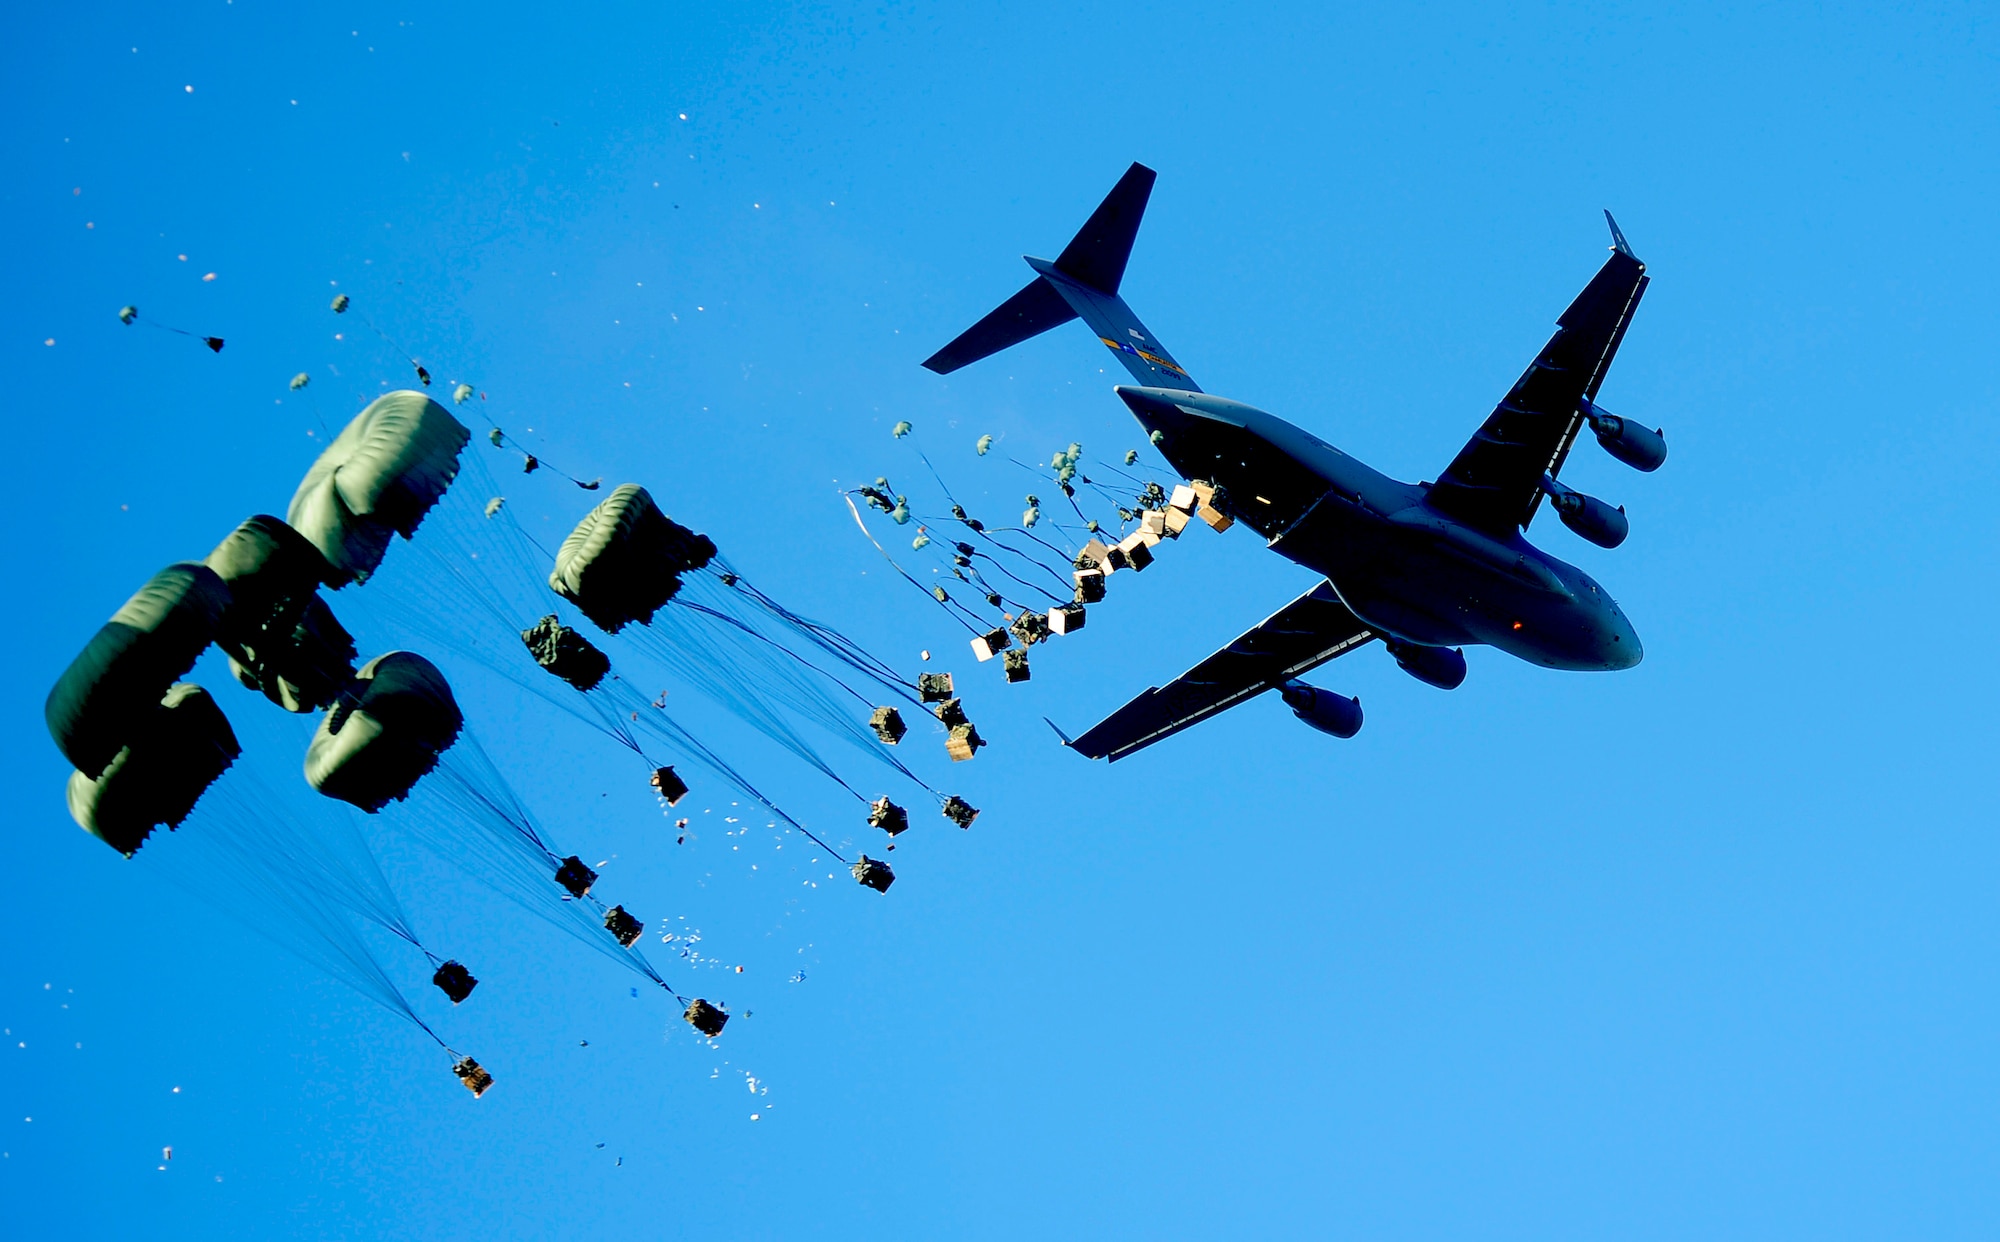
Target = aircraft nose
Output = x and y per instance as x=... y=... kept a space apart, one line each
x=1622 y=648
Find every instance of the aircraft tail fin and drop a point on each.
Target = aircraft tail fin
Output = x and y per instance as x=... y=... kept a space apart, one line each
x=1083 y=282
x=1095 y=257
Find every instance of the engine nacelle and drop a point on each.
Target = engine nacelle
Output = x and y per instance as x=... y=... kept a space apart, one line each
x=1587 y=515
x=1323 y=709
x=1443 y=667
x=1628 y=441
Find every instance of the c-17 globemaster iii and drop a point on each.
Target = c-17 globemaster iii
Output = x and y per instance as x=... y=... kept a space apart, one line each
x=1425 y=567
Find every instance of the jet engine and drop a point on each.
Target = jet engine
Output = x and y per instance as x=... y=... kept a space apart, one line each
x=1587 y=515
x=1628 y=441
x=1322 y=709
x=1443 y=667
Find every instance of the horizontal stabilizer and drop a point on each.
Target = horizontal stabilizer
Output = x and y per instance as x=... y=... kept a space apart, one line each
x=1031 y=312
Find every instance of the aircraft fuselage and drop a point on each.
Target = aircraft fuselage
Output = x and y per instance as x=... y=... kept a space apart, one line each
x=1405 y=568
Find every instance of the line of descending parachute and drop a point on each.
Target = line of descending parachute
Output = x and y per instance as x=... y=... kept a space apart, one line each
x=1030 y=588
x=391 y=738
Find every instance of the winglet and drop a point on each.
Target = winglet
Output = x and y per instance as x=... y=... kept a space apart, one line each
x=1059 y=733
x=1618 y=241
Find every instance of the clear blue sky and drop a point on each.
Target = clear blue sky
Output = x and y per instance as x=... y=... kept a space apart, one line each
x=1707 y=948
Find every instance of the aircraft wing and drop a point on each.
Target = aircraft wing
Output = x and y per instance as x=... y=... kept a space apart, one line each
x=1299 y=637
x=1494 y=483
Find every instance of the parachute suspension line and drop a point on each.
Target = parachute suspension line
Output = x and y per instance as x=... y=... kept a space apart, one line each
x=726 y=619
x=1070 y=495
x=826 y=638
x=660 y=721
x=130 y=314
x=610 y=708
x=849 y=729
x=970 y=575
x=945 y=603
x=481 y=780
x=1026 y=586
x=454 y=568
x=534 y=580
x=1134 y=480
x=426 y=1028
x=329 y=856
x=938 y=478
x=958 y=513
x=532 y=463
x=215 y=862
x=727 y=691
x=521 y=533
x=302 y=382
x=510 y=664
x=600 y=708
x=1066 y=557
x=696 y=653
x=408 y=357
x=465 y=789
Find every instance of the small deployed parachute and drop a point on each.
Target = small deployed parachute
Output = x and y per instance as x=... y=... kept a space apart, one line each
x=983 y=445
x=340 y=304
x=116 y=681
x=378 y=478
x=461 y=394
x=901 y=429
x=130 y=315
x=300 y=381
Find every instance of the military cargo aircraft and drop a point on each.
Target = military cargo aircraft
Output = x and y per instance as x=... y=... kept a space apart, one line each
x=1425 y=567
